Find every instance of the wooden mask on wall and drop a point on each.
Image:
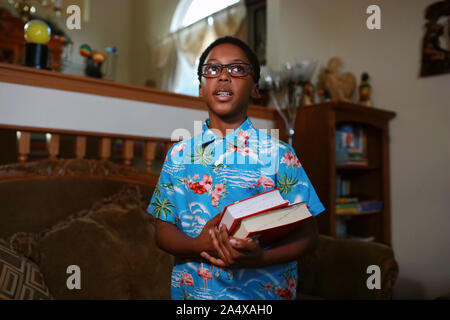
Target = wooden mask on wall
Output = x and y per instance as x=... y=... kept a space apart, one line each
x=436 y=40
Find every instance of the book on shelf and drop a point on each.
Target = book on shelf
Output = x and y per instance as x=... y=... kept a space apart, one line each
x=347 y=205
x=346 y=199
x=347 y=210
x=351 y=145
x=358 y=206
x=370 y=205
x=341 y=226
x=342 y=186
x=362 y=162
x=266 y=217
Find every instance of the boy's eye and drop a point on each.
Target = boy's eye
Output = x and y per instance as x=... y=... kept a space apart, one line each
x=211 y=69
x=238 y=69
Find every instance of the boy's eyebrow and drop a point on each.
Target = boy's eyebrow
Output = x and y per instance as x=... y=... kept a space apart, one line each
x=235 y=60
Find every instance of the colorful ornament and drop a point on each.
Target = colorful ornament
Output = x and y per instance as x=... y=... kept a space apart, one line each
x=85 y=50
x=37 y=31
x=365 y=90
x=308 y=94
x=98 y=57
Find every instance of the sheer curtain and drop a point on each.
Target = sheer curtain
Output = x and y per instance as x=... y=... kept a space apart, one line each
x=164 y=59
x=192 y=40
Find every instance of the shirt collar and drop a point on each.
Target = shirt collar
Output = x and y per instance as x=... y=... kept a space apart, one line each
x=208 y=135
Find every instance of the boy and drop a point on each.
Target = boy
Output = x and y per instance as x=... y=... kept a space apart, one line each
x=229 y=161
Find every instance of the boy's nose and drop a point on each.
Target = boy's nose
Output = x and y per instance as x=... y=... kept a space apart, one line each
x=224 y=76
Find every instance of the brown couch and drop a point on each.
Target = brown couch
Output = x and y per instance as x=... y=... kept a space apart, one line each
x=87 y=213
x=92 y=214
x=338 y=270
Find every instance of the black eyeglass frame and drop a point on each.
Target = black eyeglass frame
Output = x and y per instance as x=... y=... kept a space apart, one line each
x=227 y=66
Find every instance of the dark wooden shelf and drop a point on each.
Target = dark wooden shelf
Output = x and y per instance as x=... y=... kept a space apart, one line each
x=360 y=213
x=314 y=143
x=355 y=167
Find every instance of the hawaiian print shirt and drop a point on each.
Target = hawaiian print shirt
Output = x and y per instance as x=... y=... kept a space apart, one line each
x=200 y=176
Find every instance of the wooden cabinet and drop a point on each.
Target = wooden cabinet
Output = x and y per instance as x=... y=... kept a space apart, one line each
x=314 y=143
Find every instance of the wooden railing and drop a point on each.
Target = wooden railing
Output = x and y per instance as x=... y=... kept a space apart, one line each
x=152 y=148
x=53 y=141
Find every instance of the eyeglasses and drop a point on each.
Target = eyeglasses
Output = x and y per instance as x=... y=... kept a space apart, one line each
x=237 y=70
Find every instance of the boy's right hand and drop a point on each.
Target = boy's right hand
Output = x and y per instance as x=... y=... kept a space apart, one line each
x=204 y=242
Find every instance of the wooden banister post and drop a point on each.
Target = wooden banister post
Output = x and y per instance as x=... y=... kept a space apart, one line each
x=105 y=148
x=149 y=154
x=80 y=147
x=128 y=152
x=52 y=145
x=23 y=146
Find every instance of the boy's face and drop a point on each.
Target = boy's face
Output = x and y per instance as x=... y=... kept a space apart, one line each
x=239 y=90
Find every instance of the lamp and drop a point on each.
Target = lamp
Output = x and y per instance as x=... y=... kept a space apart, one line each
x=286 y=88
x=37 y=35
x=26 y=8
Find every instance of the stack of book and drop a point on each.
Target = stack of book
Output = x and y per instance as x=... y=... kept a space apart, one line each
x=266 y=217
x=346 y=205
x=369 y=205
x=351 y=145
x=352 y=205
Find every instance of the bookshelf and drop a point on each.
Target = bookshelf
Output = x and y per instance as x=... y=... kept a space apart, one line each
x=314 y=143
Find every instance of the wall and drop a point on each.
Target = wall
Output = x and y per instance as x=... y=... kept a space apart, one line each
x=108 y=25
x=420 y=134
x=299 y=30
x=150 y=21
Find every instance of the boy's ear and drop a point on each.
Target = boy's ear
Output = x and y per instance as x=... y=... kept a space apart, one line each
x=200 y=91
x=255 y=92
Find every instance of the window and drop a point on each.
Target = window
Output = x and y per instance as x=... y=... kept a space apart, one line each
x=187 y=13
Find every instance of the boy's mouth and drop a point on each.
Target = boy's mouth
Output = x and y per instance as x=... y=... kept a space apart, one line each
x=223 y=94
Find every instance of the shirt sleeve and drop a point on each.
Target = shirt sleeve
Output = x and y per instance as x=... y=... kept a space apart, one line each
x=294 y=184
x=163 y=204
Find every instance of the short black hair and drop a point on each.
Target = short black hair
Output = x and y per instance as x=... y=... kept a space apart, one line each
x=251 y=56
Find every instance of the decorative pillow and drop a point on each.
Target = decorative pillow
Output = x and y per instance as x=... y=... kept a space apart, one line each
x=114 y=246
x=20 y=278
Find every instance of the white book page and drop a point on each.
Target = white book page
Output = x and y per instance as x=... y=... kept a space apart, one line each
x=258 y=203
x=278 y=217
x=261 y=202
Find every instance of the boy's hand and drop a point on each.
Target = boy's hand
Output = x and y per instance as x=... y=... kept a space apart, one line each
x=233 y=252
x=203 y=241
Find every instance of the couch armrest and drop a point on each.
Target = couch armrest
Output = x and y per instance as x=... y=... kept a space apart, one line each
x=338 y=269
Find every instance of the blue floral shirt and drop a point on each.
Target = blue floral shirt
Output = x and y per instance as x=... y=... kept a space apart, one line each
x=200 y=176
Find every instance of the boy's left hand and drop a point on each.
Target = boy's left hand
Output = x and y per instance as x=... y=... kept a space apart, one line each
x=234 y=252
